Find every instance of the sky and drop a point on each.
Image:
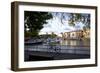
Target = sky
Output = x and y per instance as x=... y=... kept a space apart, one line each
x=55 y=25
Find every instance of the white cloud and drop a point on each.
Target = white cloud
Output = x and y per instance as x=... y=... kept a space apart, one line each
x=55 y=25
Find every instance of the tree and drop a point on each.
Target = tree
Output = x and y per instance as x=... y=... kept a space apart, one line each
x=33 y=22
x=74 y=18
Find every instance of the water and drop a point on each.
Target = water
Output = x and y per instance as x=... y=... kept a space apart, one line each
x=66 y=49
x=75 y=42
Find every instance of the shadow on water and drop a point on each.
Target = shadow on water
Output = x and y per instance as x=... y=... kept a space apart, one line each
x=45 y=56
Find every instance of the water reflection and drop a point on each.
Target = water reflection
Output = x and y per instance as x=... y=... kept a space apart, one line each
x=75 y=42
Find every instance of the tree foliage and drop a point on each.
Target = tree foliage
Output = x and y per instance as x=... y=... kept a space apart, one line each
x=74 y=18
x=33 y=21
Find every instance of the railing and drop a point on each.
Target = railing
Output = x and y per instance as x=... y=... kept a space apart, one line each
x=60 y=49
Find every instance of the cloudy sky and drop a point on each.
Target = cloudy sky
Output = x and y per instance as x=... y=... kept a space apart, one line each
x=55 y=25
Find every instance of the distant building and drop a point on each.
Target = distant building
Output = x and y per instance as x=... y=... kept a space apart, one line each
x=86 y=33
x=78 y=34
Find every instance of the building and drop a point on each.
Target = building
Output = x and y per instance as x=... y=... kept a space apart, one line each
x=78 y=34
x=86 y=33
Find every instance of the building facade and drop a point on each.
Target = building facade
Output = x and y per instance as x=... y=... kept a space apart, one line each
x=78 y=34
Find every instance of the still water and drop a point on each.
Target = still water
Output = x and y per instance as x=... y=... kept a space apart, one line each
x=75 y=42
x=66 y=49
